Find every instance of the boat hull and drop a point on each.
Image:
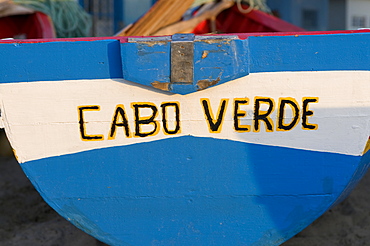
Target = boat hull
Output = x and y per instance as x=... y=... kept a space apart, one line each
x=208 y=192
x=251 y=159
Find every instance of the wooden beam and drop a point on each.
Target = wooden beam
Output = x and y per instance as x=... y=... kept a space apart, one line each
x=185 y=26
x=163 y=13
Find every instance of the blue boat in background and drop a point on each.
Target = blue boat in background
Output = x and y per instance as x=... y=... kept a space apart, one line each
x=241 y=139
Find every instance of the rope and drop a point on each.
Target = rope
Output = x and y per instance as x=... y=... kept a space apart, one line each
x=253 y=4
x=200 y=2
x=69 y=18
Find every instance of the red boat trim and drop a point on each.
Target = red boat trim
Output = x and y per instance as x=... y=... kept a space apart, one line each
x=240 y=35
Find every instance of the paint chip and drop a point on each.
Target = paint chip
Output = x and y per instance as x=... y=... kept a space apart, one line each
x=205 y=83
x=161 y=85
x=205 y=54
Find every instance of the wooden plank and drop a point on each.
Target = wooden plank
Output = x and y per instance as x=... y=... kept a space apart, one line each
x=185 y=26
x=163 y=13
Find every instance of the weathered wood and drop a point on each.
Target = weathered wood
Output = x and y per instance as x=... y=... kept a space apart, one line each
x=186 y=26
x=163 y=13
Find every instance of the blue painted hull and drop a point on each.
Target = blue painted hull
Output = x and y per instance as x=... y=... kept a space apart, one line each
x=209 y=192
x=270 y=133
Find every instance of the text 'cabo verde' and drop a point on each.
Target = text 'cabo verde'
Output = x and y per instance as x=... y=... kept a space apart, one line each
x=167 y=117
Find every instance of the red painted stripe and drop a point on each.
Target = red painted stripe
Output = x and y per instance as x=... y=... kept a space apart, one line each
x=240 y=35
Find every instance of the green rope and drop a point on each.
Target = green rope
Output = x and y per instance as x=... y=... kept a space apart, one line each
x=69 y=18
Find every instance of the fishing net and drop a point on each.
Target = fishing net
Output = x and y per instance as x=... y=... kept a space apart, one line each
x=69 y=18
x=253 y=4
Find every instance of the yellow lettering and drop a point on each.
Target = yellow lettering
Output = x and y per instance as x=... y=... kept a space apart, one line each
x=176 y=107
x=308 y=113
x=145 y=120
x=215 y=125
x=82 y=123
x=119 y=120
x=261 y=115
x=238 y=113
x=281 y=125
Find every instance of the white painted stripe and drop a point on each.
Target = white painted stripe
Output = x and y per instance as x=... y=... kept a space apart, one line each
x=41 y=118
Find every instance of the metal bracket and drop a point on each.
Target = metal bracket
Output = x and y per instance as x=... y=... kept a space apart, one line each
x=188 y=63
x=182 y=58
x=181 y=55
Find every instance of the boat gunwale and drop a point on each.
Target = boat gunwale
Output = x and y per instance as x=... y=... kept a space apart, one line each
x=241 y=36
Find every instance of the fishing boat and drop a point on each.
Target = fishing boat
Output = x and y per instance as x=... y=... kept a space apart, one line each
x=241 y=139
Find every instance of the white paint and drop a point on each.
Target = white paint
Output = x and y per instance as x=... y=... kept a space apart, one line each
x=1 y=118
x=41 y=118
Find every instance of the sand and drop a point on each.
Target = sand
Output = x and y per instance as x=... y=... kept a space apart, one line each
x=26 y=220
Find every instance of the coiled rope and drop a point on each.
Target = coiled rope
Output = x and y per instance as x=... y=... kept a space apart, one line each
x=253 y=4
x=69 y=18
